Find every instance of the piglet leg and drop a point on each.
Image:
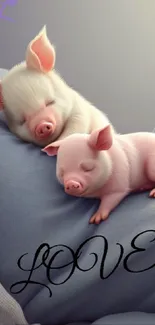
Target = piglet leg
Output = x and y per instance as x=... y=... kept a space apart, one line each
x=152 y=193
x=151 y=172
x=108 y=203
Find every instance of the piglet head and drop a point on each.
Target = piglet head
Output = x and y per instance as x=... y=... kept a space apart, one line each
x=34 y=99
x=83 y=161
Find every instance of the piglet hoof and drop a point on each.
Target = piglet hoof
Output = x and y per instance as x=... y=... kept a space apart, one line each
x=98 y=217
x=152 y=193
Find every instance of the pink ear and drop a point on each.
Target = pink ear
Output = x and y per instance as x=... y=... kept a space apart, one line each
x=1 y=97
x=101 y=139
x=52 y=148
x=40 y=54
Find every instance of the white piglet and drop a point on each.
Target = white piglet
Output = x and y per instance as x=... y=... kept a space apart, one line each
x=38 y=104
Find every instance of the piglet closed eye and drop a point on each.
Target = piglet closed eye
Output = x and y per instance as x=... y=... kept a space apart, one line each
x=87 y=166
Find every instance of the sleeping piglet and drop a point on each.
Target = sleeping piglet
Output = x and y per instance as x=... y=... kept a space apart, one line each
x=38 y=104
x=106 y=166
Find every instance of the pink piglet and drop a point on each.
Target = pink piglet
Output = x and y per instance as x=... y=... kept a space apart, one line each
x=106 y=166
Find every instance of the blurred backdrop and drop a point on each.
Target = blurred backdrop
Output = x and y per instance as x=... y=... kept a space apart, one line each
x=105 y=50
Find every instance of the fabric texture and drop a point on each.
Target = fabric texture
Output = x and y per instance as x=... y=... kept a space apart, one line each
x=58 y=267
x=10 y=311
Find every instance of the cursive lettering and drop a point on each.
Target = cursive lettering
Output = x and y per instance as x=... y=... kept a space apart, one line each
x=136 y=251
x=28 y=281
x=93 y=254
x=48 y=266
x=47 y=256
x=104 y=258
x=105 y=251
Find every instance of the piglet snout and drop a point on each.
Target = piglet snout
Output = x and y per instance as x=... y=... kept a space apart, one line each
x=44 y=129
x=73 y=187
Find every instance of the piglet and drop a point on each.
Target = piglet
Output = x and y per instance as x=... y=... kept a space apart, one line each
x=106 y=166
x=38 y=104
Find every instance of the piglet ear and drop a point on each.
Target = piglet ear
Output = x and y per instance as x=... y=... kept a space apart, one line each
x=101 y=139
x=40 y=54
x=1 y=97
x=52 y=148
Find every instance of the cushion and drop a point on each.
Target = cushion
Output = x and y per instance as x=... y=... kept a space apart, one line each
x=54 y=263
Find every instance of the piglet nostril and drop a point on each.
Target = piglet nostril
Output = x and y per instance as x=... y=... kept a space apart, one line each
x=44 y=129
x=48 y=127
x=73 y=187
x=76 y=186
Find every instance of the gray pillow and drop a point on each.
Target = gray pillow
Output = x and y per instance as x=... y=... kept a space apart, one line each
x=41 y=229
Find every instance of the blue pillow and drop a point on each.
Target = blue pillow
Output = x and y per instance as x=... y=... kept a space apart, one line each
x=54 y=263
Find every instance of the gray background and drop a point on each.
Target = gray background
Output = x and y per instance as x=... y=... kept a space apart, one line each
x=105 y=50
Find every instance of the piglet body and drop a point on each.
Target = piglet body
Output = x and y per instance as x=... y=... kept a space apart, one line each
x=106 y=166
x=38 y=104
